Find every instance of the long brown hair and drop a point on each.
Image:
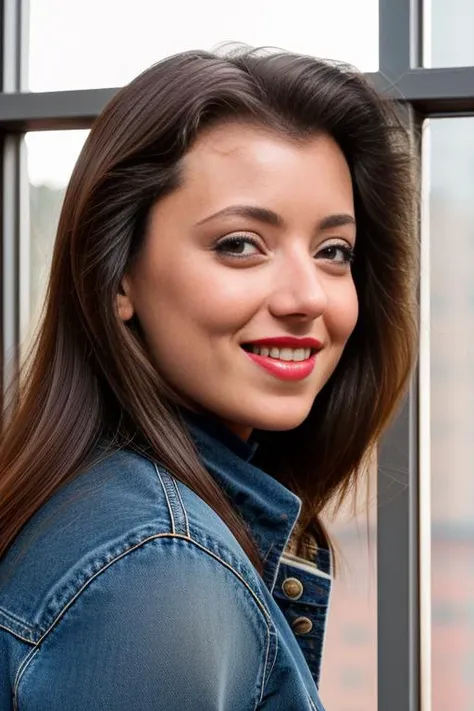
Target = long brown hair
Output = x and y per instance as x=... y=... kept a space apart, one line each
x=90 y=379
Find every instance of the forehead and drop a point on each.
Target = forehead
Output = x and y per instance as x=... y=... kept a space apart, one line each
x=251 y=161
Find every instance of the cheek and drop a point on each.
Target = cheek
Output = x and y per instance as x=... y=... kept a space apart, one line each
x=342 y=313
x=191 y=300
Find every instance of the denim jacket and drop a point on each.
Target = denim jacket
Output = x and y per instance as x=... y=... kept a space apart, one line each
x=126 y=591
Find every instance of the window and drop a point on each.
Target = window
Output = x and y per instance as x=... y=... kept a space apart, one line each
x=122 y=39
x=50 y=158
x=402 y=609
x=449 y=181
x=448 y=33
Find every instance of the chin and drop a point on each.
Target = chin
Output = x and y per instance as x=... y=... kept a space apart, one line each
x=280 y=418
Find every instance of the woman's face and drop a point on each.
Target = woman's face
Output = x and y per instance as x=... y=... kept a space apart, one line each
x=254 y=246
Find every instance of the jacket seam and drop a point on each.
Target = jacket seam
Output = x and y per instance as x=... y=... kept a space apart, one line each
x=170 y=510
x=267 y=652
x=175 y=502
x=31 y=654
x=267 y=674
x=15 y=619
x=324 y=634
x=275 y=654
x=23 y=666
x=185 y=513
x=16 y=634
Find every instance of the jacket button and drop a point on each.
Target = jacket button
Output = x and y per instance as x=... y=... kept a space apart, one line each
x=302 y=625
x=292 y=588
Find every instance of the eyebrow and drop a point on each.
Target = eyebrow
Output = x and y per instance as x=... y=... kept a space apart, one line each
x=261 y=214
x=269 y=217
x=338 y=220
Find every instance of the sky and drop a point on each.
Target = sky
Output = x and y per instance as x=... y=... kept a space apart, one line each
x=85 y=44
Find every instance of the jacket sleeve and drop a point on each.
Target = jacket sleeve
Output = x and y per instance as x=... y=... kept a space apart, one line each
x=168 y=627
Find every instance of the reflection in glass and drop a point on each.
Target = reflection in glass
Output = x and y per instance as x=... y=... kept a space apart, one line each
x=125 y=38
x=51 y=156
x=449 y=143
x=448 y=29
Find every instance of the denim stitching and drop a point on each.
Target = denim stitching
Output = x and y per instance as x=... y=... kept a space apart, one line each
x=173 y=529
x=185 y=513
x=21 y=670
x=15 y=634
x=267 y=674
x=311 y=701
x=267 y=651
x=17 y=621
x=174 y=501
x=324 y=634
x=267 y=618
x=15 y=618
x=275 y=654
x=138 y=545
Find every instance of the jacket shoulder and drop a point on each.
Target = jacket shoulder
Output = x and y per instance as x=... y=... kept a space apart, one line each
x=102 y=515
x=167 y=626
x=87 y=523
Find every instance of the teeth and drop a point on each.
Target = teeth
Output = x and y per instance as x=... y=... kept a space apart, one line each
x=285 y=354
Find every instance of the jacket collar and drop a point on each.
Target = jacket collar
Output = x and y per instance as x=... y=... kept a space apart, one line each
x=269 y=508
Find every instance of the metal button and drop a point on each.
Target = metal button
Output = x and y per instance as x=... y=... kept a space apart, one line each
x=302 y=625
x=292 y=588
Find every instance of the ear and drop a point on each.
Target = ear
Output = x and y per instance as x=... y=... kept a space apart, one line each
x=124 y=303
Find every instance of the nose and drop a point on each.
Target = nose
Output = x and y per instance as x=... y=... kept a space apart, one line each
x=299 y=290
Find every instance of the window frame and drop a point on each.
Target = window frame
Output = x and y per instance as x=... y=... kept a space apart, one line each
x=403 y=572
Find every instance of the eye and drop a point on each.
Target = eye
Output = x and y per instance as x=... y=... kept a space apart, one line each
x=339 y=253
x=238 y=246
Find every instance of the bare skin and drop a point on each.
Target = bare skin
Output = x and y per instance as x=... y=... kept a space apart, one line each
x=199 y=297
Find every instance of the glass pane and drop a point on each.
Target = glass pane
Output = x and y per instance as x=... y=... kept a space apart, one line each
x=349 y=668
x=448 y=33
x=90 y=44
x=51 y=156
x=449 y=176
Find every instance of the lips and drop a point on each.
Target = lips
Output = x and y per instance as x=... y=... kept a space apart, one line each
x=286 y=358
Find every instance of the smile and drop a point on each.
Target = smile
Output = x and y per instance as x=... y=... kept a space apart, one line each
x=286 y=358
x=286 y=354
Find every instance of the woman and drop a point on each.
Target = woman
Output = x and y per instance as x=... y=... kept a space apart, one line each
x=218 y=357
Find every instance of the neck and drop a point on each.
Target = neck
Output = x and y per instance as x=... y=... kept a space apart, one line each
x=240 y=430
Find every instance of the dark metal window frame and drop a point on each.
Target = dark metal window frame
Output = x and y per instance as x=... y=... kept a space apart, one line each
x=430 y=92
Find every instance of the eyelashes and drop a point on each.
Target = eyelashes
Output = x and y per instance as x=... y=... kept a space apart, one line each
x=234 y=246
x=343 y=249
x=246 y=247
